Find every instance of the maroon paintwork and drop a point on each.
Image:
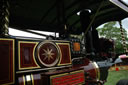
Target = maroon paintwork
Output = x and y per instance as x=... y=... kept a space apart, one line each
x=89 y=68
x=26 y=55
x=47 y=54
x=66 y=57
x=6 y=61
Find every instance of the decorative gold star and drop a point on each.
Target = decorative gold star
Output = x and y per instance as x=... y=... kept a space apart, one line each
x=48 y=54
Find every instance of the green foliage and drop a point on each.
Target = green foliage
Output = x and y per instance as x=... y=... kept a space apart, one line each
x=110 y=31
x=115 y=76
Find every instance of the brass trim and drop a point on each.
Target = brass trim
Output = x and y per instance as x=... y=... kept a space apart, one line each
x=59 y=75
x=24 y=79
x=55 y=62
x=36 y=70
x=19 y=57
x=61 y=53
x=13 y=47
x=97 y=70
x=77 y=71
x=32 y=79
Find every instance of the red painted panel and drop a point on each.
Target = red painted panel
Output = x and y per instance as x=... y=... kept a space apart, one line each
x=26 y=55
x=69 y=79
x=88 y=67
x=66 y=57
x=6 y=61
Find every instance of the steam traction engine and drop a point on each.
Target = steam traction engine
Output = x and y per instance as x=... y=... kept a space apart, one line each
x=48 y=62
x=30 y=61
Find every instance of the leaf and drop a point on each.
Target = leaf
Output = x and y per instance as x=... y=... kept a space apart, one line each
x=110 y=31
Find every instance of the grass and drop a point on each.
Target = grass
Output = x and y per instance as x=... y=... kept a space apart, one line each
x=115 y=76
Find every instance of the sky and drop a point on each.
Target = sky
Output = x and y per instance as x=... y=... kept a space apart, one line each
x=124 y=24
x=15 y=32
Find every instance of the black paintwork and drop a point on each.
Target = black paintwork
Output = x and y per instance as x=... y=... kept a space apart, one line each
x=51 y=15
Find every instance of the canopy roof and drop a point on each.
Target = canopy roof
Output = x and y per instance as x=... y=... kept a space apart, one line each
x=50 y=15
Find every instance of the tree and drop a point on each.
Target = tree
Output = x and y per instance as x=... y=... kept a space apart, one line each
x=110 y=31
